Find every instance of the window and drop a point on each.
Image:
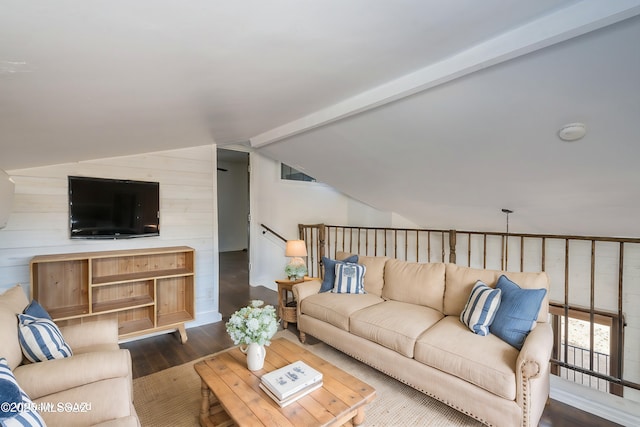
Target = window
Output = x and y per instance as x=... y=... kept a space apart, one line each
x=575 y=350
x=292 y=174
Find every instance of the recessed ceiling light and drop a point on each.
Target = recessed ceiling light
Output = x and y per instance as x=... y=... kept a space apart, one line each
x=572 y=132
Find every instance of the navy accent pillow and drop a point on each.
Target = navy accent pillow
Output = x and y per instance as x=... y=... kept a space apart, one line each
x=517 y=313
x=36 y=310
x=28 y=416
x=330 y=271
x=9 y=390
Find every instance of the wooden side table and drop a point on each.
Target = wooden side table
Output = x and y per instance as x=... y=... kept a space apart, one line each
x=287 y=309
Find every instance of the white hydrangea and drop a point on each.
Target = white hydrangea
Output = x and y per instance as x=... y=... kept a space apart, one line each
x=256 y=323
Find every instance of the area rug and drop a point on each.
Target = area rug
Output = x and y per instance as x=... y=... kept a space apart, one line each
x=172 y=397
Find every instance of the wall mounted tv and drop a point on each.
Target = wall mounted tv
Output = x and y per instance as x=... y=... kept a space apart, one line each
x=113 y=209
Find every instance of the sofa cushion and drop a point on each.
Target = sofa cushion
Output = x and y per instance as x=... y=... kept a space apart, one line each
x=393 y=324
x=10 y=348
x=108 y=400
x=53 y=376
x=517 y=313
x=460 y=280
x=336 y=308
x=41 y=339
x=330 y=272
x=96 y=334
x=15 y=299
x=481 y=308
x=28 y=417
x=416 y=283
x=374 y=279
x=12 y=302
x=487 y=362
x=349 y=278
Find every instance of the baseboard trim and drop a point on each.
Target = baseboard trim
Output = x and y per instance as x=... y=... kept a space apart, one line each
x=604 y=405
x=204 y=318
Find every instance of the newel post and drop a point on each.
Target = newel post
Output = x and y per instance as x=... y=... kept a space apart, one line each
x=452 y=246
x=321 y=248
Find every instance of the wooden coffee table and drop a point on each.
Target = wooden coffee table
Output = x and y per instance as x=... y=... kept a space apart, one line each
x=231 y=394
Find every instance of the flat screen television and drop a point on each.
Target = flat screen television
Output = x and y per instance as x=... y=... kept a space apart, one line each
x=102 y=208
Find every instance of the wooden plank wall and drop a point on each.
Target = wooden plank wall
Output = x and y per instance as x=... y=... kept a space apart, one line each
x=39 y=221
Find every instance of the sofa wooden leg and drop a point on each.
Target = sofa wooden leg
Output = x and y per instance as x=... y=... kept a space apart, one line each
x=303 y=337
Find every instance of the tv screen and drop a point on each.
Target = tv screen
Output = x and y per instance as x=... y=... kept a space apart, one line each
x=113 y=209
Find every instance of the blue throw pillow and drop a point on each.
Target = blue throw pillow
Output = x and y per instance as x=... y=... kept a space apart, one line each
x=10 y=416
x=9 y=390
x=349 y=278
x=481 y=308
x=517 y=313
x=330 y=271
x=36 y=310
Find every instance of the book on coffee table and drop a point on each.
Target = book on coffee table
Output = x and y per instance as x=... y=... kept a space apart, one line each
x=284 y=402
x=290 y=379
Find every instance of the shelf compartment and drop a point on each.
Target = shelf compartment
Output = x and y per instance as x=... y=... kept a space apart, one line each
x=174 y=303
x=140 y=266
x=135 y=320
x=62 y=313
x=174 y=318
x=62 y=287
x=122 y=296
x=130 y=277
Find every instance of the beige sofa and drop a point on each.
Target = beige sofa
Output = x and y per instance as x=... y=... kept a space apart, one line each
x=92 y=387
x=408 y=326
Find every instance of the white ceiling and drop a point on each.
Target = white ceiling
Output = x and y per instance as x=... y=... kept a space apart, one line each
x=442 y=111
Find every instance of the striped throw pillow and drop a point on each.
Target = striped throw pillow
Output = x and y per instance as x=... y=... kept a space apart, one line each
x=349 y=278
x=10 y=418
x=481 y=308
x=41 y=339
x=330 y=271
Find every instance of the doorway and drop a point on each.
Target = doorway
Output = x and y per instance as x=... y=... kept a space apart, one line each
x=233 y=200
x=233 y=224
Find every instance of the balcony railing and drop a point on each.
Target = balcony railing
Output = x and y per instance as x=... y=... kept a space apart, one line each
x=580 y=357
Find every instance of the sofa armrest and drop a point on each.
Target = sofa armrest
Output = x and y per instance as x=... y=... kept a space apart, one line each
x=91 y=333
x=52 y=376
x=304 y=289
x=532 y=372
x=536 y=352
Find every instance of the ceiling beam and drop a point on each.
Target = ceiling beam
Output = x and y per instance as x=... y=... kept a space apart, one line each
x=567 y=23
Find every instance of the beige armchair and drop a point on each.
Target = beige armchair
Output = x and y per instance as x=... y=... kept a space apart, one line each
x=92 y=387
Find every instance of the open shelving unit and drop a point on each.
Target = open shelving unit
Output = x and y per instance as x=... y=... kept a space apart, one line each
x=148 y=290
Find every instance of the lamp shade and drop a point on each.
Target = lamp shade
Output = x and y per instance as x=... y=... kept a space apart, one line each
x=296 y=248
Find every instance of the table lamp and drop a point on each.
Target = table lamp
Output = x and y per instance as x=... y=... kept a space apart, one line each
x=297 y=268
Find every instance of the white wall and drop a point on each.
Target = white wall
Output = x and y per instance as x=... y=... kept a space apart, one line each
x=38 y=223
x=233 y=206
x=282 y=205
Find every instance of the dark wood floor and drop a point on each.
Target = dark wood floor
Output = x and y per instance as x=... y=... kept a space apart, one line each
x=154 y=354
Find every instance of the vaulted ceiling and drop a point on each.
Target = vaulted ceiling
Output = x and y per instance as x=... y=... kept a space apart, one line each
x=442 y=111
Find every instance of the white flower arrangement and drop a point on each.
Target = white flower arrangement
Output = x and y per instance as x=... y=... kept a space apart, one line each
x=256 y=323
